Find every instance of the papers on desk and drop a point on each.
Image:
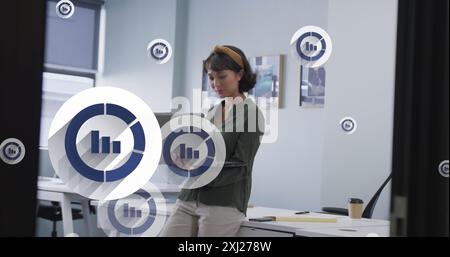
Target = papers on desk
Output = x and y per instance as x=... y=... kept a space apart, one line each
x=304 y=219
x=295 y=219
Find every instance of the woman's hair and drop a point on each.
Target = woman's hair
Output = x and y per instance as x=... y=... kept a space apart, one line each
x=231 y=58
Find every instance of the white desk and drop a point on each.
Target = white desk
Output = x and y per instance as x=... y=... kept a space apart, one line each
x=343 y=227
x=370 y=231
x=53 y=189
x=283 y=229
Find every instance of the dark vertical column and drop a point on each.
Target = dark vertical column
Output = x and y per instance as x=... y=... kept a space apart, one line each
x=420 y=194
x=22 y=24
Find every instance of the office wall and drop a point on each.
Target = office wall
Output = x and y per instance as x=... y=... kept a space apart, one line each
x=286 y=173
x=129 y=27
x=56 y=89
x=313 y=164
x=360 y=84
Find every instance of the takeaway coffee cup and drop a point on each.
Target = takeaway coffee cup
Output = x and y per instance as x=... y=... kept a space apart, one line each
x=355 y=208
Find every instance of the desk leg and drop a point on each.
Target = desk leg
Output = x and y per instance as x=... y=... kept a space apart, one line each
x=66 y=211
x=86 y=217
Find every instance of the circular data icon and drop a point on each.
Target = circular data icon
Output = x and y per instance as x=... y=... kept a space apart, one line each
x=348 y=125
x=160 y=50
x=443 y=168
x=312 y=45
x=65 y=9
x=142 y=213
x=12 y=151
x=193 y=149
x=105 y=143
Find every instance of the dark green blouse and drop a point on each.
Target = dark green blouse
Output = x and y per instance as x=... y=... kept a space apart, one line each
x=233 y=184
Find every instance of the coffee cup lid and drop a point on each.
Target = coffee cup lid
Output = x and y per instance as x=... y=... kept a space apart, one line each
x=355 y=200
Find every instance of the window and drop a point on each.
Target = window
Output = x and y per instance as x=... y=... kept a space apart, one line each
x=71 y=57
x=56 y=89
x=72 y=44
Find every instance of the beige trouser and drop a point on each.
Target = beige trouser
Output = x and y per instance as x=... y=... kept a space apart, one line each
x=190 y=219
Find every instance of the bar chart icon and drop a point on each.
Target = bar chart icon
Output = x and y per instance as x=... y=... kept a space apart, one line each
x=12 y=151
x=131 y=212
x=188 y=152
x=310 y=47
x=105 y=144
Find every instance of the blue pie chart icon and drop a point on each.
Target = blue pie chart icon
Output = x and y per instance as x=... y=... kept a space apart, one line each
x=104 y=175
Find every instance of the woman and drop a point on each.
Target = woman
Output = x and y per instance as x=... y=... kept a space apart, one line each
x=218 y=208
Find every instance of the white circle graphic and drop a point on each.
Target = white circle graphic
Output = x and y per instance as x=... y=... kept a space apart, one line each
x=142 y=214
x=105 y=143
x=194 y=151
x=348 y=125
x=65 y=9
x=12 y=151
x=443 y=168
x=160 y=50
x=312 y=46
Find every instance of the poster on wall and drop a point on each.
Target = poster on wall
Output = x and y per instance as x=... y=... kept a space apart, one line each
x=268 y=71
x=312 y=86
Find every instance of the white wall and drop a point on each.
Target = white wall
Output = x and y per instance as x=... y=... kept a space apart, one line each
x=360 y=84
x=130 y=26
x=286 y=173
x=56 y=89
x=312 y=164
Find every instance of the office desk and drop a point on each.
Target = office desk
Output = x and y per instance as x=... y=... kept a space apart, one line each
x=289 y=229
x=53 y=189
x=369 y=231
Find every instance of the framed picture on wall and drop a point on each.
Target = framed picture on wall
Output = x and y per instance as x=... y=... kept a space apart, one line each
x=269 y=72
x=312 y=86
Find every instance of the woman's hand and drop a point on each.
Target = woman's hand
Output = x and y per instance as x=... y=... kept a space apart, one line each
x=181 y=163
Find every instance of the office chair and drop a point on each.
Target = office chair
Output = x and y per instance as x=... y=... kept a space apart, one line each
x=53 y=213
x=368 y=211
